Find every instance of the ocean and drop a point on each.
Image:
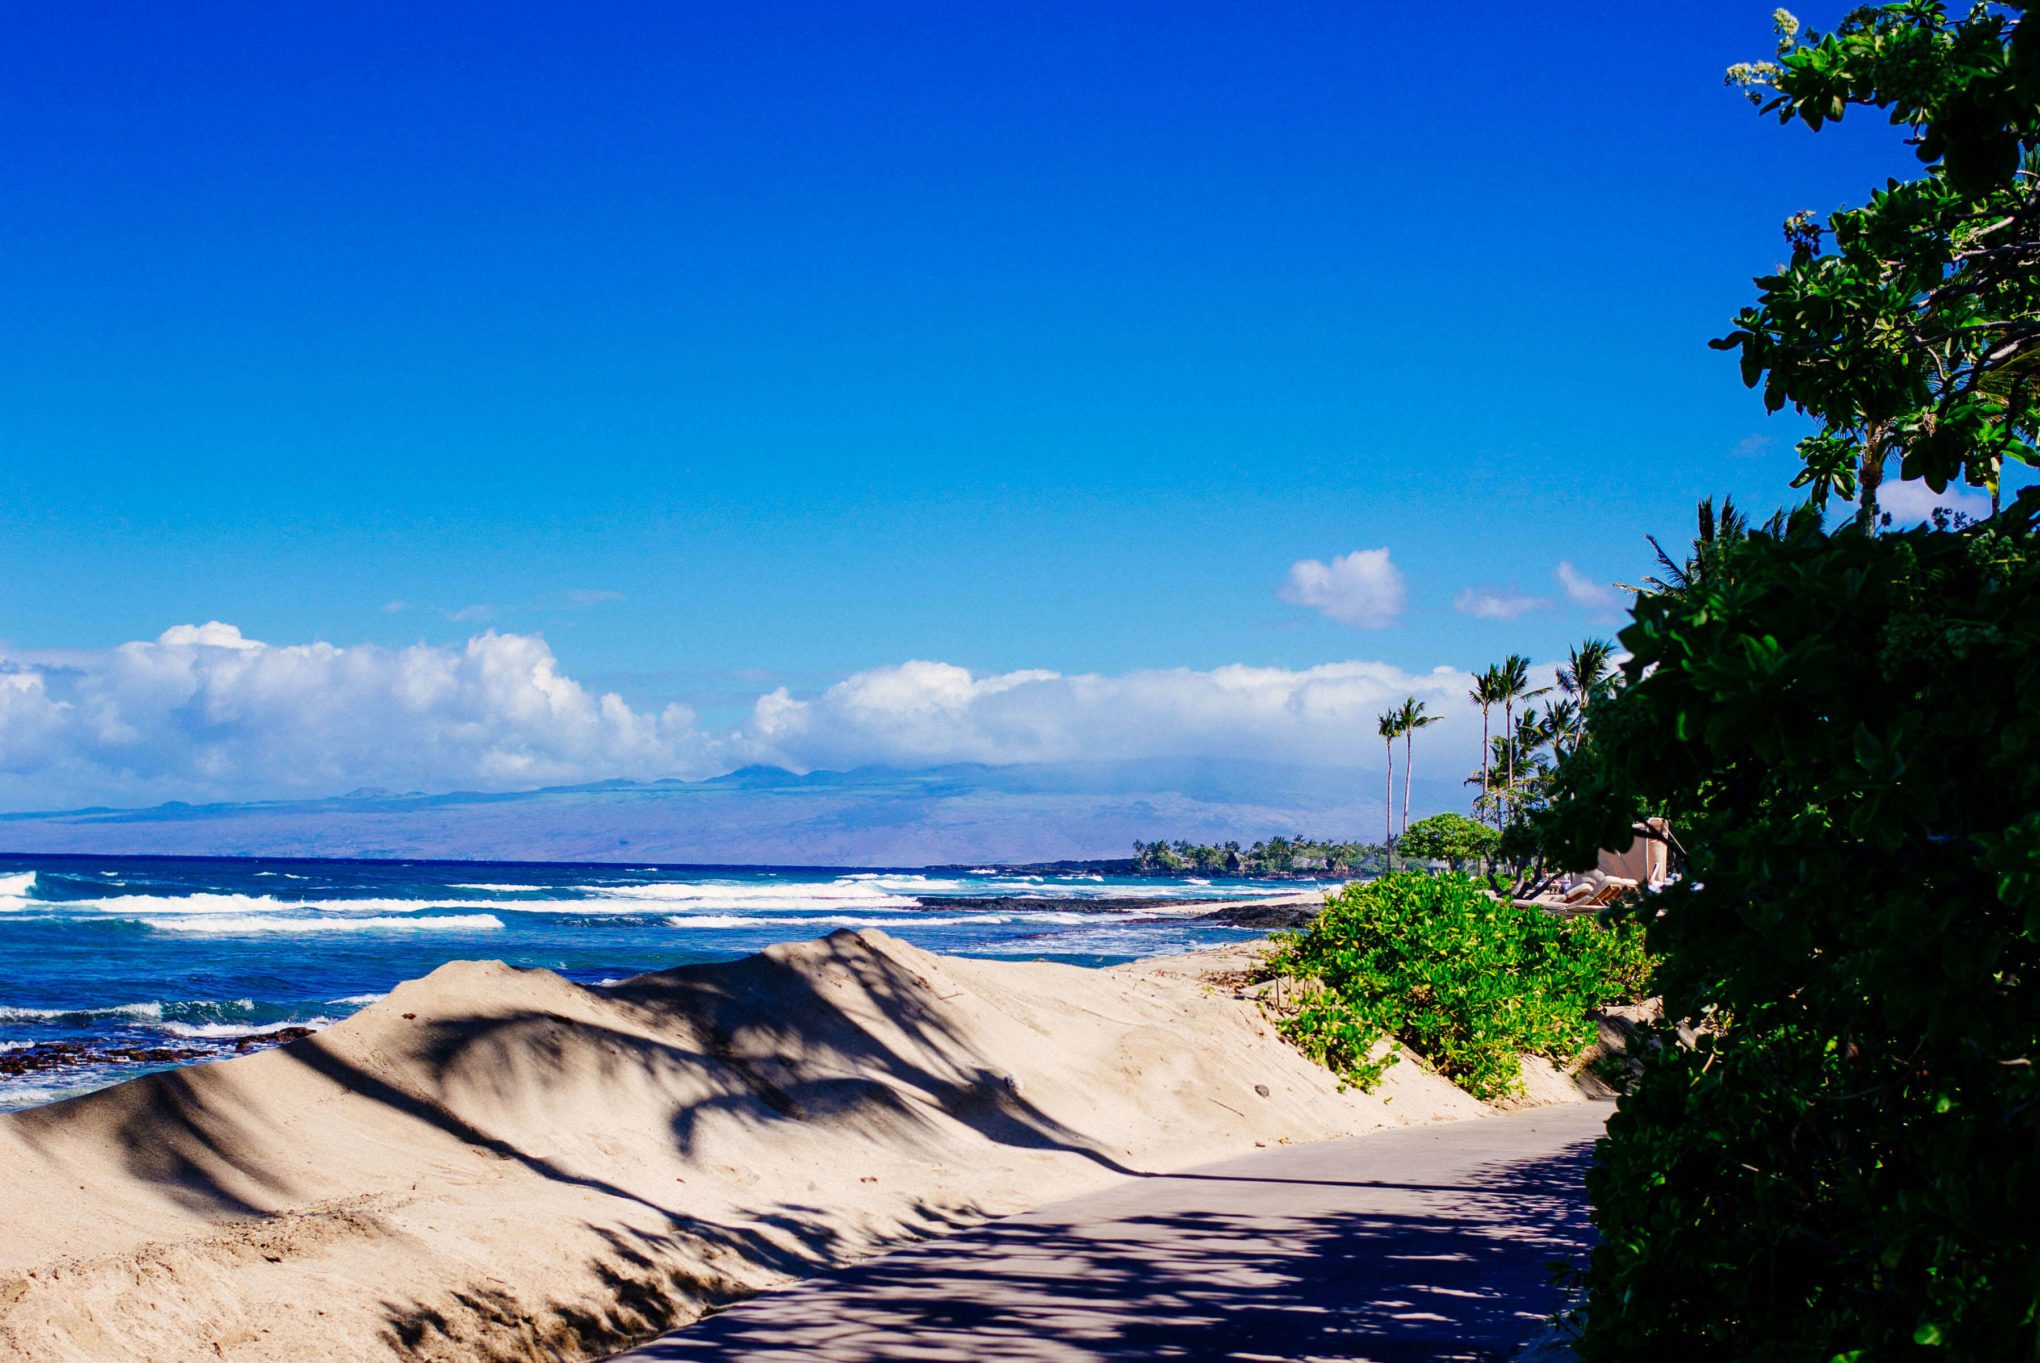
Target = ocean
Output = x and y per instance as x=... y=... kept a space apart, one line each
x=112 y=967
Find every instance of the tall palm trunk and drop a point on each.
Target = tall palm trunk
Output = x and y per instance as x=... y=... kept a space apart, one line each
x=1509 y=728
x=1388 y=806
x=1408 y=736
x=1485 y=791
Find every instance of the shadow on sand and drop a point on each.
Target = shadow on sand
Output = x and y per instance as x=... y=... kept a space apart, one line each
x=779 y=1042
x=1469 y=1275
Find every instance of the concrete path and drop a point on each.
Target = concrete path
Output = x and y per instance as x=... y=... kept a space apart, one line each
x=1431 y=1242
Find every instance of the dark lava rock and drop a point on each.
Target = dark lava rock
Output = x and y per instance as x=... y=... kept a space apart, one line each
x=281 y=1036
x=58 y=1055
x=1262 y=915
x=42 y=1056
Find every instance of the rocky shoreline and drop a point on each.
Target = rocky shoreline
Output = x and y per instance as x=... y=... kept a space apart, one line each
x=43 y=1057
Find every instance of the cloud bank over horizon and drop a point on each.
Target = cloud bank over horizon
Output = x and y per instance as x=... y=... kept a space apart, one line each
x=204 y=713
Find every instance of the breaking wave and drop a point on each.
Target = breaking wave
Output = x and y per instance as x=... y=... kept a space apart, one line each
x=251 y=924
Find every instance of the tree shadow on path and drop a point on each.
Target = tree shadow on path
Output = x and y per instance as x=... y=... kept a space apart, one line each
x=1387 y=1272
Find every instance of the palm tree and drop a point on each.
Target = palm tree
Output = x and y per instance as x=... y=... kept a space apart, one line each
x=1563 y=724
x=1587 y=671
x=1409 y=719
x=1486 y=693
x=1717 y=536
x=1389 y=726
x=1515 y=686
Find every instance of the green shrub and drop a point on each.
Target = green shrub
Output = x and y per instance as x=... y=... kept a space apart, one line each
x=1467 y=981
x=1842 y=730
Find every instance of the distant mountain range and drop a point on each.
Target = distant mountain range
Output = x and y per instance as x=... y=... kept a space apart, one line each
x=873 y=816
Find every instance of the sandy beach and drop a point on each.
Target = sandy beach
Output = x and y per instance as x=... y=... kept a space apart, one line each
x=496 y=1164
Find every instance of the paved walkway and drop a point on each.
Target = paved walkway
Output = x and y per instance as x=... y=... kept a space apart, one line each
x=1430 y=1242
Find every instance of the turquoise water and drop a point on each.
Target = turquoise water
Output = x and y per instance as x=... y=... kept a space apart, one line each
x=153 y=952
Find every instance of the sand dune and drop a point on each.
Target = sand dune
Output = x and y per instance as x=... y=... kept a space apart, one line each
x=499 y=1164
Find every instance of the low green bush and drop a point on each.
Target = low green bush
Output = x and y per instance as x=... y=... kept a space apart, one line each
x=1467 y=981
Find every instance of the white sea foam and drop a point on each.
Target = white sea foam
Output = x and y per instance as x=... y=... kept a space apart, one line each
x=15 y=1095
x=188 y=903
x=499 y=889
x=902 y=883
x=202 y=1030
x=782 y=897
x=138 y=1012
x=15 y=886
x=357 y=1000
x=250 y=924
x=179 y=905
x=825 y=920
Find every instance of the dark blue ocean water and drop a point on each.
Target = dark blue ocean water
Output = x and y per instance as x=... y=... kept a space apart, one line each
x=193 y=953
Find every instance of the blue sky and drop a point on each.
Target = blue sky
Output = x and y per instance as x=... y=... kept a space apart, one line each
x=738 y=346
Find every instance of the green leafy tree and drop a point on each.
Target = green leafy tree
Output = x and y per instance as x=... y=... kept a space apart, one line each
x=1931 y=289
x=1451 y=838
x=1835 y=723
x=1833 y=1159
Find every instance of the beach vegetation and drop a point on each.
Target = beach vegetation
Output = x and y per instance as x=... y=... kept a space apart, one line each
x=1827 y=1151
x=1834 y=1154
x=1278 y=856
x=1906 y=327
x=1466 y=981
x=1454 y=839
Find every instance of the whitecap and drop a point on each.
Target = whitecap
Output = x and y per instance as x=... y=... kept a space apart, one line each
x=153 y=905
x=138 y=1012
x=204 y=1030
x=250 y=924
x=825 y=920
x=780 y=897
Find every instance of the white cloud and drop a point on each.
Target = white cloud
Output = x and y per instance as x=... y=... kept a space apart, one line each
x=1496 y=603
x=205 y=713
x=922 y=713
x=1584 y=590
x=1362 y=589
x=1910 y=503
x=211 y=634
